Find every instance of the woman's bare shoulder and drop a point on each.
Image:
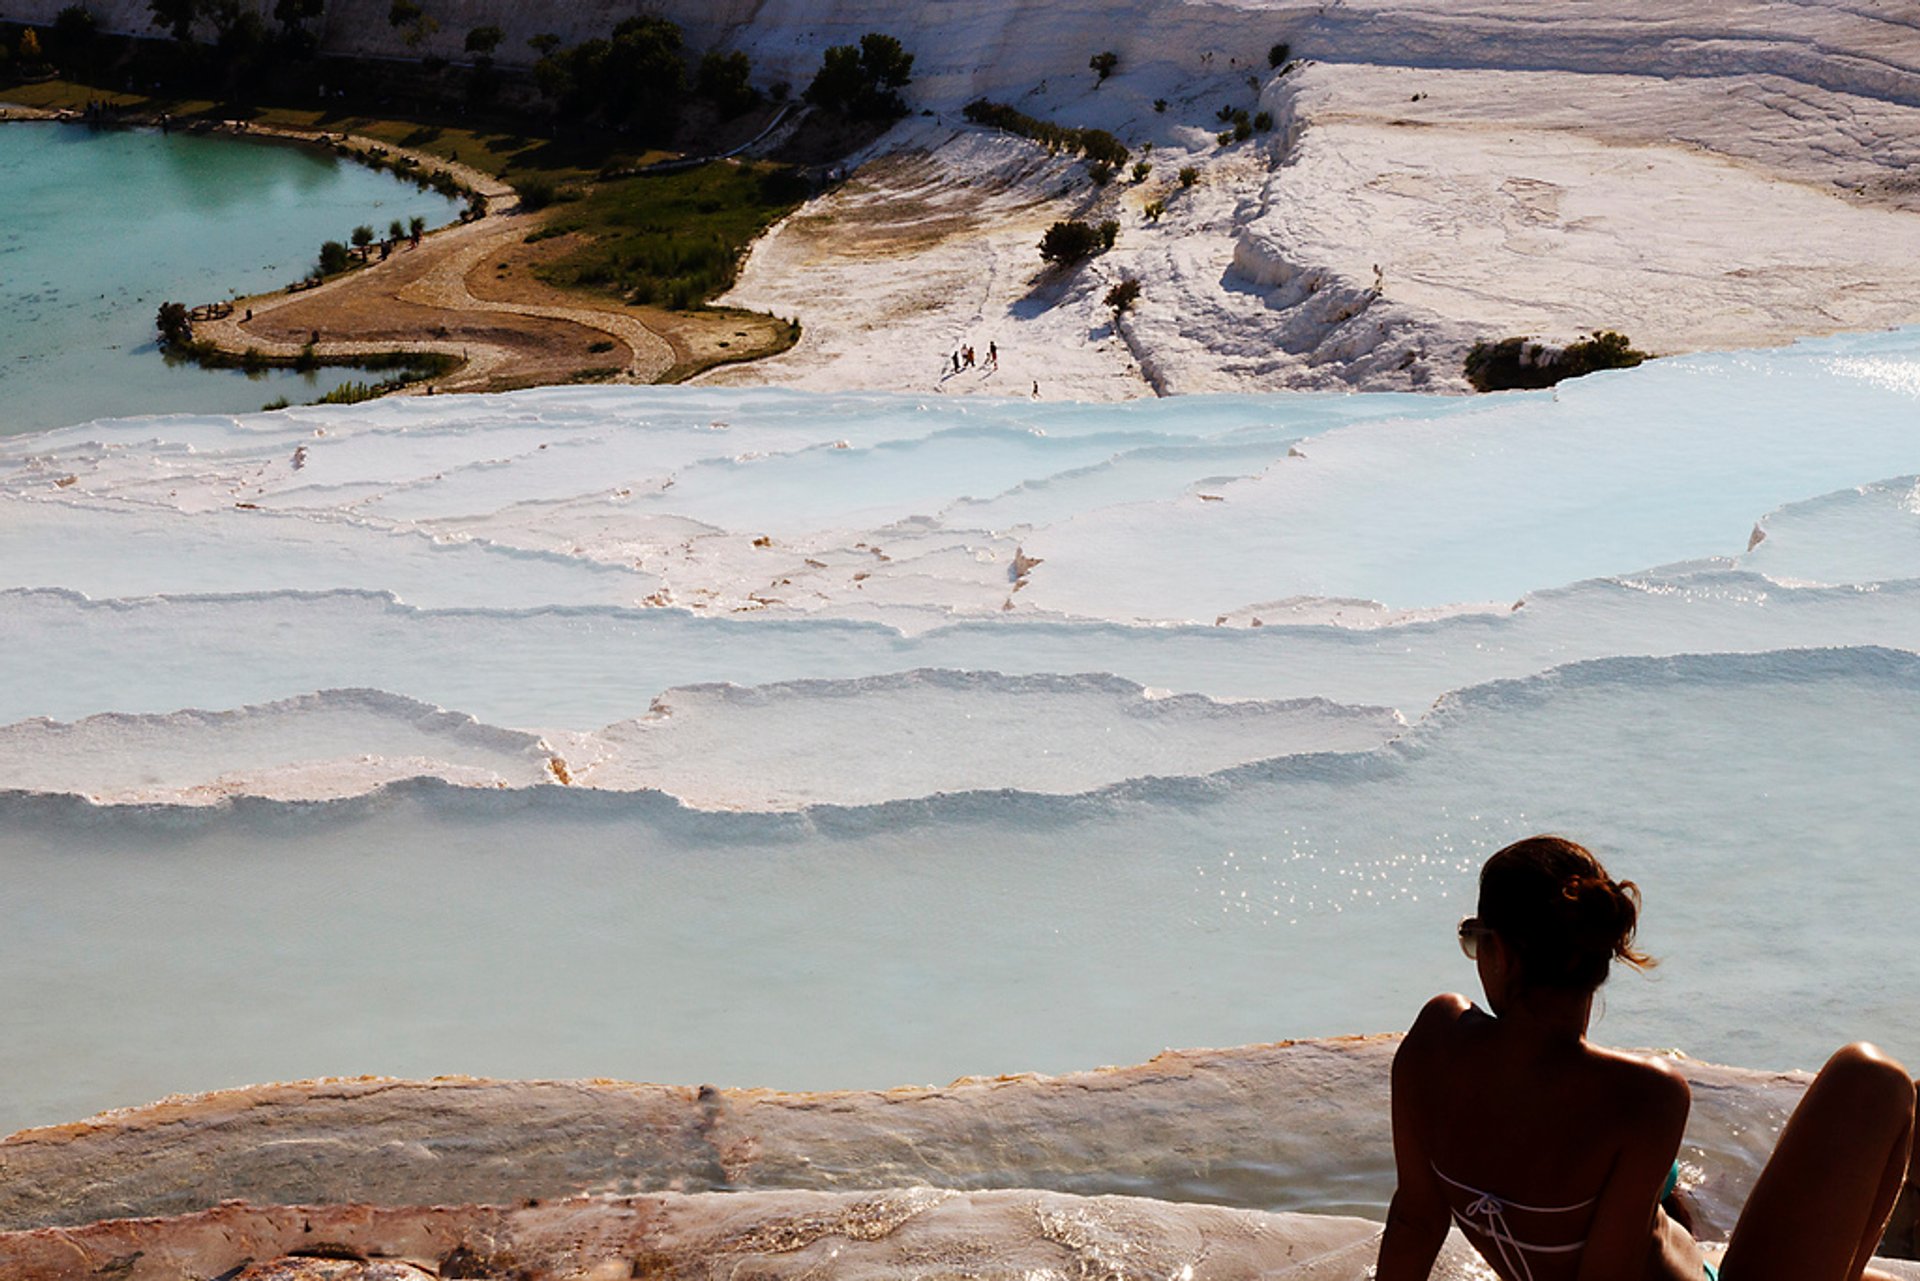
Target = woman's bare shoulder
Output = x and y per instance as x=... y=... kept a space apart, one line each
x=1437 y=1019
x=1646 y=1082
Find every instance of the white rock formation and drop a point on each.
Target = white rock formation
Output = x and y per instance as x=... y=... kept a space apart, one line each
x=1295 y=1125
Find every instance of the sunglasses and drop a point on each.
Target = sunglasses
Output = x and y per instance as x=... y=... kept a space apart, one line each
x=1471 y=932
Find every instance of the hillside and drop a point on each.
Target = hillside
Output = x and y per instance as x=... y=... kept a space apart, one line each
x=1714 y=176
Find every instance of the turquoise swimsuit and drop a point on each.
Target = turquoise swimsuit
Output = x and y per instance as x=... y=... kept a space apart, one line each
x=1673 y=1181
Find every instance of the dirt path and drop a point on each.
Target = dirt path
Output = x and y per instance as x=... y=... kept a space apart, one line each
x=420 y=300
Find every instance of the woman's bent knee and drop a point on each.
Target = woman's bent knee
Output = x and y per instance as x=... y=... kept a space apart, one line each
x=1870 y=1077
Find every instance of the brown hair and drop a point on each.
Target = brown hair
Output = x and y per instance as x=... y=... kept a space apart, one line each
x=1564 y=918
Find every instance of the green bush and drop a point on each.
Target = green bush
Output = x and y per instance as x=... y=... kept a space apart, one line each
x=1277 y=56
x=1104 y=63
x=1154 y=209
x=1264 y=121
x=1140 y=171
x=1067 y=243
x=1101 y=172
x=1519 y=363
x=1189 y=175
x=334 y=258
x=1109 y=232
x=1123 y=295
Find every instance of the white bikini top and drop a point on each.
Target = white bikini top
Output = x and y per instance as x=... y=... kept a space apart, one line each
x=1486 y=1214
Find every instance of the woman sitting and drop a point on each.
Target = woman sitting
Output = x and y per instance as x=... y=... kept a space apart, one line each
x=1554 y=1156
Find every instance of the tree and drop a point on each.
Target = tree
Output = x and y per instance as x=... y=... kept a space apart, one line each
x=864 y=81
x=723 y=81
x=1067 y=243
x=396 y=230
x=1277 y=55
x=484 y=40
x=636 y=78
x=74 y=35
x=174 y=324
x=1123 y=295
x=416 y=228
x=333 y=258
x=362 y=237
x=293 y=16
x=30 y=53
x=544 y=44
x=409 y=14
x=1104 y=63
x=177 y=16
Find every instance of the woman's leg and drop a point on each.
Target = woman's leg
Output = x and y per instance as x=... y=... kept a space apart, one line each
x=1818 y=1209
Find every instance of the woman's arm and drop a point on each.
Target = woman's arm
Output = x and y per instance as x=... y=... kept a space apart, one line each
x=1627 y=1229
x=1417 y=1219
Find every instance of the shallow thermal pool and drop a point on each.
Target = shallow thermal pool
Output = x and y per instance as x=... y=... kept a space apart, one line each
x=97 y=229
x=760 y=738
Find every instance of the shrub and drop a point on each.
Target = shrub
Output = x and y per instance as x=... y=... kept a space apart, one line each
x=1123 y=295
x=1160 y=106
x=1518 y=363
x=1153 y=210
x=1109 y=232
x=1095 y=144
x=1189 y=175
x=536 y=192
x=1101 y=172
x=1104 y=63
x=1140 y=171
x=1242 y=130
x=334 y=258
x=484 y=40
x=1224 y=137
x=1277 y=56
x=1264 y=121
x=1225 y=114
x=864 y=80
x=1067 y=243
x=278 y=402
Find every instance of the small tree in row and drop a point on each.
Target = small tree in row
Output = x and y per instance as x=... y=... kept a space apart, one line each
x=864 y=81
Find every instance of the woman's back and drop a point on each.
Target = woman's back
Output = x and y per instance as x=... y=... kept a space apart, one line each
x=1523 y=1131
x=1552 y=1154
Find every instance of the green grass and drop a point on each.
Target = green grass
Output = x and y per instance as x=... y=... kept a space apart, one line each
x=673 y=241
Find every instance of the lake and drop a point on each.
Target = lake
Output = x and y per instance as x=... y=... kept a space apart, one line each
x=98 y=228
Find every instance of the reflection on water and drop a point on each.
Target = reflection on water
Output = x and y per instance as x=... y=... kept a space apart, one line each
x=98 y=229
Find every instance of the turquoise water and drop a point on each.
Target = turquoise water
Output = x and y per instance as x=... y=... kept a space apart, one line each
x=98 y=229
x=1673 y=611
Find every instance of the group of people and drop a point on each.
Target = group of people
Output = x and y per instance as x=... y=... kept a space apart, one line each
x=963 y=358
x=1557 y=1158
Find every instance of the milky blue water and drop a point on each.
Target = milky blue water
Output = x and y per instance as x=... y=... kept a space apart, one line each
x=97 y=229
x=1673 y=612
